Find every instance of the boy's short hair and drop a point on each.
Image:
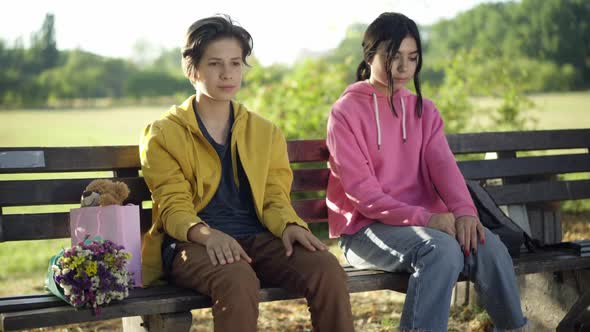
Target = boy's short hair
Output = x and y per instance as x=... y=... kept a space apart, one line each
x=204 y=31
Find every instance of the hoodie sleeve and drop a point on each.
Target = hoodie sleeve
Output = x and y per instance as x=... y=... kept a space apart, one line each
x=445 y=173
x=277 y=211
x=170 y=190
x=350 y=165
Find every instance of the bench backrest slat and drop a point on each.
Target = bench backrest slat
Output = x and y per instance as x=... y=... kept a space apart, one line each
x=67 y=191
x=519 y=141
x=301 y=151
x=63 y=159
x=16 y=227
x=309 y=180
x=40 y=226
x=76 y=159
x=312 y=210
x=56 y=225
x=525 y=166
x=545 y=191
x=60 y=191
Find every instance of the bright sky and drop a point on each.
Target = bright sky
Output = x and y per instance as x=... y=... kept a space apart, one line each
x=281 y=29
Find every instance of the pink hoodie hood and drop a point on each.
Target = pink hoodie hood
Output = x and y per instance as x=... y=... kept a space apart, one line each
x=364 y=88
x=397 y=170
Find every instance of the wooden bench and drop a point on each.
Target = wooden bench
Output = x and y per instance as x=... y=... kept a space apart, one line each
x=527 y=180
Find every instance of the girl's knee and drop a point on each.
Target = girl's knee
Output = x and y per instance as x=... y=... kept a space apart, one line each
x=444 y=253
x=493 y=249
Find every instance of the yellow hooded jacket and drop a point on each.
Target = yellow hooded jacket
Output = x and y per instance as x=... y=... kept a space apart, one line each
x=182 y=171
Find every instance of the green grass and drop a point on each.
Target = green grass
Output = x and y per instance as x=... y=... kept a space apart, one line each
x=562 y=110
x=568 y=110
x=123 y=125
x=80 y=127
x=25 y=263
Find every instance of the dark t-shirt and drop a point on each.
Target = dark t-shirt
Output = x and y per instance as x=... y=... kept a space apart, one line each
x=231 y=210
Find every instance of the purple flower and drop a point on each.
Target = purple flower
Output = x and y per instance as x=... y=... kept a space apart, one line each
x=89 y=280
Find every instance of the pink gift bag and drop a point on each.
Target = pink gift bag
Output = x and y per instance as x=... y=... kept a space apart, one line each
x=116 y=223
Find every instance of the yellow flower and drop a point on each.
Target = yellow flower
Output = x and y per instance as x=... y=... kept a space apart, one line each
x=109 y=259
x=91 y=268
x=65 y=261
x=77 y=261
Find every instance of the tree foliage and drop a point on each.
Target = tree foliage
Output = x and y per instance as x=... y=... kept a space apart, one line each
x=556 y=33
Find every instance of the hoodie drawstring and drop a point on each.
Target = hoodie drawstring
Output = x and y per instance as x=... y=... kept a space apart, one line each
x=376 y=108
x=404 y=134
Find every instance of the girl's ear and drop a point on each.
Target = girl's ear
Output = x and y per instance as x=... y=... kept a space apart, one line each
x=370 y=60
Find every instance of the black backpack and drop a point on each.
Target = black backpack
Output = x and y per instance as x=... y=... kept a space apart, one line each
x=493 y=218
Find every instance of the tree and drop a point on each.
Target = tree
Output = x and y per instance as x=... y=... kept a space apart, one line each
x=350 y=51
x=476 y=73
x=559 y=31
x=44 y=46
x=299 y=103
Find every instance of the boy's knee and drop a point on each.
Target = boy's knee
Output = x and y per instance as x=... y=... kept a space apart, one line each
x=326 y=271
x=238 y=277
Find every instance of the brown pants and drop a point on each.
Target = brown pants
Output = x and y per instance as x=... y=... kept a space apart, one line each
x=234 y=288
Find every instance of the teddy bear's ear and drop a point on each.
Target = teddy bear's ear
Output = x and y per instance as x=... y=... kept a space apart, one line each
x=99 y=185
x=122 y=191
x=90 y=186
x=108 y=199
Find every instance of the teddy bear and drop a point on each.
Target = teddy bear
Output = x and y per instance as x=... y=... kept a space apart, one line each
x=103 y=192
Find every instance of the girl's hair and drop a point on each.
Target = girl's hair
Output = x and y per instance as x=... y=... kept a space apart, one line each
x=204 y=31
x=391 y=29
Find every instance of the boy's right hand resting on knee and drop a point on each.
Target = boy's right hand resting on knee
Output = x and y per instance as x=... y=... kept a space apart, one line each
x=444 y=222
x=222 y=248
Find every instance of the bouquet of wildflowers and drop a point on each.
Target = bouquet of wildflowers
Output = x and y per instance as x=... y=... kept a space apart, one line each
x=90 y=274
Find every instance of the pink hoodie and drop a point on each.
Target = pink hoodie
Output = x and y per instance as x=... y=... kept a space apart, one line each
x=395 y=170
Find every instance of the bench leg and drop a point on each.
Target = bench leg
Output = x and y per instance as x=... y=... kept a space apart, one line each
x=571 y=321
x=158 y=323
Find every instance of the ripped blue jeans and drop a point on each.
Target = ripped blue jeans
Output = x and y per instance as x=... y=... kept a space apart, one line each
x=435 y=261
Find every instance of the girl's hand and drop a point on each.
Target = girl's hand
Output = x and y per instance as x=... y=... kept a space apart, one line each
x=469 y=229
x=222 y=248
x=444 y=222
x=294 y=233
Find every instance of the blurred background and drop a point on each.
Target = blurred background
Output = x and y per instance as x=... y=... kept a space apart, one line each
x=488 y=65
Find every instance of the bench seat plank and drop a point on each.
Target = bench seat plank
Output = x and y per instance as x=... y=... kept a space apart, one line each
x=36 y=311
x=168 y=300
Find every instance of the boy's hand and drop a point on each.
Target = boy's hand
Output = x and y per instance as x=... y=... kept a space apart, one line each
x=222 y=248
x=444 y=222
x=469 y=229
x=297 y=233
